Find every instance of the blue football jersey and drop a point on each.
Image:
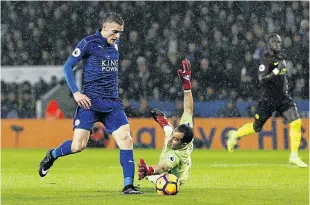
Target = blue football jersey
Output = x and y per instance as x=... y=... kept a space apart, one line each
x=100 y=72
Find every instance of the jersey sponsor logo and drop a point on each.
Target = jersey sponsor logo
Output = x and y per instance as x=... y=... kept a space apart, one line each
x=110 y=65
x=171 y=158
x=76 y=52
x=77 y=122
x=261 y=68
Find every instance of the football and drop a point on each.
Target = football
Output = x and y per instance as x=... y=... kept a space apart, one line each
x=167 y=184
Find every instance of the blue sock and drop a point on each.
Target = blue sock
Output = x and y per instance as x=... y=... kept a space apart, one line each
x=128 y=164
x=62 y=150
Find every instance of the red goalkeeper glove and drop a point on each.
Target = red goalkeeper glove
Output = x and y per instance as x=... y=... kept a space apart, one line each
x=185 y=74
x=144 y=170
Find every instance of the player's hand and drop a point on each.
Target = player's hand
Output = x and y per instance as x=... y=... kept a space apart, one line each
x=144 y=170
x=185 y=74
x=82 y=100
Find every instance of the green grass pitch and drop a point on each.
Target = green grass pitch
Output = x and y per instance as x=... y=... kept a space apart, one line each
x=95 y=177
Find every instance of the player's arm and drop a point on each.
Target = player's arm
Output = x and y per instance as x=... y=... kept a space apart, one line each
x=170 y=161
x=264 y=75
x=188 y=102
x=81 y=50
x=188 y=108
x=161 y=168
x=146 y=170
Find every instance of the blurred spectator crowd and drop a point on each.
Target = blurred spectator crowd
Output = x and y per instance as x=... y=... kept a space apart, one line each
x=223 y=40
x=18 y=99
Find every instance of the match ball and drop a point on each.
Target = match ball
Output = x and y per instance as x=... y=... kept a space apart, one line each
x=167 y=184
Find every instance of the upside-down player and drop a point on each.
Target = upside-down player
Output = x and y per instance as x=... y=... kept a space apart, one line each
x=175 y=157
x=274 y=96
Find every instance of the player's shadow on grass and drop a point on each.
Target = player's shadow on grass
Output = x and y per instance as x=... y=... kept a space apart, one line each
x=145 y=190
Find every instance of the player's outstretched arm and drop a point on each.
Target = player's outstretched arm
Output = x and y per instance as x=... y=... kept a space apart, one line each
x=145 y=170
x=188 y=103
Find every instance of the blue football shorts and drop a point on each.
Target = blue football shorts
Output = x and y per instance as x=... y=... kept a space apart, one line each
x=108 y=111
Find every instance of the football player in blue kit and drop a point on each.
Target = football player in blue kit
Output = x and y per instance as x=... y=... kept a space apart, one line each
x=99 y=99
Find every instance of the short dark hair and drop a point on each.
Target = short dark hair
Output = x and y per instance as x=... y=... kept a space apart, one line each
x=112 y=17
x=187 y=131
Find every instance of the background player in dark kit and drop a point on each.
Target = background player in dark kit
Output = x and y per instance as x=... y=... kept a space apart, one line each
x=274 y=96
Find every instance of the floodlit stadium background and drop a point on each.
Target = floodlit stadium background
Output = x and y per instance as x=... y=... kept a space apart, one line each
x=223 y=40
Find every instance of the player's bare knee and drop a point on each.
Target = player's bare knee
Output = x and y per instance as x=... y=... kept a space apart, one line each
x=122 y=136
x=80 y=140
x=124 y=142
x=128 y=140
x=77 y=147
